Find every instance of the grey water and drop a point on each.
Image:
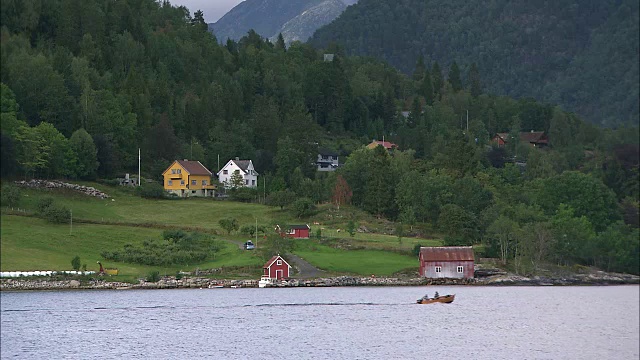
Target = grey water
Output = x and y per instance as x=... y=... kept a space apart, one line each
x=595 y=322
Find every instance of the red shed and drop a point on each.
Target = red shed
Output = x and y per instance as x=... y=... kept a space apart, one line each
x=294 y=231
x=446 y=262
x=276 y=268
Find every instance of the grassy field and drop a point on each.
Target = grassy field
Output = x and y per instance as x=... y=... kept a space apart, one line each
x=29 y=243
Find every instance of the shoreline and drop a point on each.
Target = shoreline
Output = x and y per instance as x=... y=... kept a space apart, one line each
x=598 y=278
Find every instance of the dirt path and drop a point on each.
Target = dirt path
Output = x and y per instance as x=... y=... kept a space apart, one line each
x=305 y=270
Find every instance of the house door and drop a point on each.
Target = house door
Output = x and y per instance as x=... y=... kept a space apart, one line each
x=279 y=274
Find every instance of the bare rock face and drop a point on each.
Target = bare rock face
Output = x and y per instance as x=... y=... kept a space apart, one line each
x=296 y=20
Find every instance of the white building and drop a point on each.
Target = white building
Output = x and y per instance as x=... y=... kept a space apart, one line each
x=327 y=160
x=243 y=167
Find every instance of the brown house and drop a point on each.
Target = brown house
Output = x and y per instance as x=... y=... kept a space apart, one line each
x=536 y=139
x=447 y=262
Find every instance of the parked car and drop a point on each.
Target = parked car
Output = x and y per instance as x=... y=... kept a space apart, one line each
x=249 y=245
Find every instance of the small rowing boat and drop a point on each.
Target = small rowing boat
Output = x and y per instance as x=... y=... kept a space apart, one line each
x=446 y=299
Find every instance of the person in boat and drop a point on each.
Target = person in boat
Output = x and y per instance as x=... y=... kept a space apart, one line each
x=436 y=295
x=425 y=297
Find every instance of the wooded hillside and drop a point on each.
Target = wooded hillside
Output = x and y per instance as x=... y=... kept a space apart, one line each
x=583 y=55
x=87 y=83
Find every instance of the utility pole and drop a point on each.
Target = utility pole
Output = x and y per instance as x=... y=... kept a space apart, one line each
x=139 y=178
x=71 y=222
x=256 y=232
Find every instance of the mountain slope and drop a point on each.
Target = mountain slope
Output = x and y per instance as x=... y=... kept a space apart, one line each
x=582 y=54
x=296 y=20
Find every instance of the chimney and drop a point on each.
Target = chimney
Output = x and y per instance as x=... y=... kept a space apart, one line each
x=186 y=159
x=237 y=158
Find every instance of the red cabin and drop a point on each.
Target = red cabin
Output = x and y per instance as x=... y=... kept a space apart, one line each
x=294 y=231
x=447 y=262
x=276 y=268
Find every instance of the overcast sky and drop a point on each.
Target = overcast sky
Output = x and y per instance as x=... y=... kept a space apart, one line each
x=212 y=9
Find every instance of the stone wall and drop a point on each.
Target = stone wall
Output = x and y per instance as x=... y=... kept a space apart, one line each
x=55 y=184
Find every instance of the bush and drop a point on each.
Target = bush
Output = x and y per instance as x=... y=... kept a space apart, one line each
x=11 y=196
x=75 y=263
x=43 y=204
x=303 y=207
x=150 y=191
x=56 y=214
x=153 y=276
x=243 y=194
x=228 y=224
x=416 y=250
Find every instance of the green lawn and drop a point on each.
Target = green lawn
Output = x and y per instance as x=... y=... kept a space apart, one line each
x=33 y=244
x=29 y=243
x=360 y=262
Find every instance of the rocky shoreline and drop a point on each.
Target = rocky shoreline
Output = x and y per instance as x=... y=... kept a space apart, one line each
x=593 y=278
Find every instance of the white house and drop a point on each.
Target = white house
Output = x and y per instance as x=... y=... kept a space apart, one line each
x=243 y=167
x=327 y=160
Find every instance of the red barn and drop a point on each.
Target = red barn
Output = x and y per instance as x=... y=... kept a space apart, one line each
x=276 y=268
x=294 y=231
x=447 y=262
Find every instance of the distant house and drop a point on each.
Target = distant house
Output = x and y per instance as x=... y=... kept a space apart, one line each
x=294 y=231
x=536 y=139
x=244 y=168
x=188 y=178
x=327 y=160
x=328 y=57
x=385 y=144
x=447 y=262
x=276 y=268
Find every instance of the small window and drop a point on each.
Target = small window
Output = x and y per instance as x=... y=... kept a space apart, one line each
x=179 y=171
x=246 y=182
x=170 y=183
x=279 y=262
x=173 y=171
x=460 y=269
x=253 y=182
x=225 y=172
x=438 y=269
x=204 y=182
x=182 y=182
x=194 y=182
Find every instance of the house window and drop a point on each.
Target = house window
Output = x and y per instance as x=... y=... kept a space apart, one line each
x=194 y=182
x=173 y=171
x=170 y=183
x=179 y=171
x=181 y=182
x=460 y=269
x=438 y=269
x=324 y=157
x=225 y=172
x=204 y=182
x=253 y=182
x=279 y=262
x=246 y=182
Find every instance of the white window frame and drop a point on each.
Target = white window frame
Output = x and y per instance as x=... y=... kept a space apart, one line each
x=170 y=183
x=438 y=269
x=279 y=262
x=460 y=269
x=225 y=172
x=194 y=182
x=204 y=182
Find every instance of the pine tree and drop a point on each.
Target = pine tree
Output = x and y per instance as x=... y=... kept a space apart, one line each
x=280 y=45
x=474 y=81
x=426 y=88
x=454 y=77
x=419 y=71
x=437 y=80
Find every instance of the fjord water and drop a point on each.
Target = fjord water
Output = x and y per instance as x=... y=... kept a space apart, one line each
x=323 y=323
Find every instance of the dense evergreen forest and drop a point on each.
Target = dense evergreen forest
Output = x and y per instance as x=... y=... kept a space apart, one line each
x=85 y=83
x=583 y=55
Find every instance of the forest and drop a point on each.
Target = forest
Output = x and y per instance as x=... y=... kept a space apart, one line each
x=86 y=83
x=582 y=55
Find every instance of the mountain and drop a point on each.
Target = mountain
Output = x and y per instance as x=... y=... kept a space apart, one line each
x=296 y=20
x=582 y=55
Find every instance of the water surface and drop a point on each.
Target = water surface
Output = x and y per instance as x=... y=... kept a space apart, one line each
x=323 y=323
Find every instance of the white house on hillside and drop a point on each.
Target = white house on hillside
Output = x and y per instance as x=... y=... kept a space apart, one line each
x=243 y=167
x=327 y=160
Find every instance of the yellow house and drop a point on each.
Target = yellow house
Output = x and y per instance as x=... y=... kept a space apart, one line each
x=188 y=178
